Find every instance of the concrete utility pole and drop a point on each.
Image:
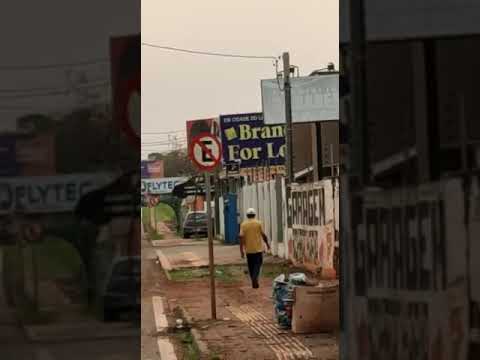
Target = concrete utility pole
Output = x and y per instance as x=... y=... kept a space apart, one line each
x=288 y=117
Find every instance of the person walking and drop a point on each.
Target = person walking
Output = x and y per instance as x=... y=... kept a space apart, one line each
x=251 y=236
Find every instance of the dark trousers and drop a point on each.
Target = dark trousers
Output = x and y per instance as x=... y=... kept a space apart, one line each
x=254 y=262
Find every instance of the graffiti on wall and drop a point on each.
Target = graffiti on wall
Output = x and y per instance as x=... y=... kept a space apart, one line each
x=305 y=247
x=312 y=240
x=403 y=289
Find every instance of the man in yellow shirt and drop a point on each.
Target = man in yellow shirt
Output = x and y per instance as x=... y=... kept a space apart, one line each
x=251 y=236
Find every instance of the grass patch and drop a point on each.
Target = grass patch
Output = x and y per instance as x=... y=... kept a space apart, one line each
x=29 y=315
x=163 y=212
x=230 y=273
x=227 y=274
x=273 y=270
x=190 y=348
x=57 y=258
x=154 y=235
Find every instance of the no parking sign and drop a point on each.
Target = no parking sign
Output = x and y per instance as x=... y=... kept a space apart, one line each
x=205 y=152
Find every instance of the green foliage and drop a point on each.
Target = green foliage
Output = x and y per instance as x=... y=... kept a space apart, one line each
x=190 y=348
x=226 y=273
x=58 y=258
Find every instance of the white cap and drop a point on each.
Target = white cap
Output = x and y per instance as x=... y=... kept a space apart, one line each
x=251 y=211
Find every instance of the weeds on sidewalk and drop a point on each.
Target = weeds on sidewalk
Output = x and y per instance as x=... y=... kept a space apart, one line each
x=190 y=348
x=153 y=235
x=222 y=273
x=229 y=273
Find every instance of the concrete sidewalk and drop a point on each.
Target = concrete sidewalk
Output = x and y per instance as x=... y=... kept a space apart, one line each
x=183 y=254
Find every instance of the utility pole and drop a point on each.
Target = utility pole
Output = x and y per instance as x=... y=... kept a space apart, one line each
x=359 y=97
x=288 y=117
x=210 y=245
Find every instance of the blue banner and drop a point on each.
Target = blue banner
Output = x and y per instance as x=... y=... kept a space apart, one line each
x=246 y=140
x=144 y=169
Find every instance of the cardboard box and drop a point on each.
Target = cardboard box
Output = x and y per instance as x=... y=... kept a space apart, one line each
x=316 y=308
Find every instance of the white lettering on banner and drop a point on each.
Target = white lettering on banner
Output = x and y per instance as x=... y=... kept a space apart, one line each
x=42 y=194
x=160 y=186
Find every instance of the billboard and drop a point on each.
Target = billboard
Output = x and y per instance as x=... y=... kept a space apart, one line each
x=47 y=194
x=197 y=127
x=152 y=169
x=161 y=186
x=247 y=141
x=314 y=98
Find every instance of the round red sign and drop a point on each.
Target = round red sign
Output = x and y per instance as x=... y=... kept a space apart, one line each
x=205 y=152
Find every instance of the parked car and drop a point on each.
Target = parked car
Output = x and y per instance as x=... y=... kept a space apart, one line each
x=122 y=287
x=196 y=223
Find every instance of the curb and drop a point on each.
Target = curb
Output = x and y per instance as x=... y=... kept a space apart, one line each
x=201 y=345
x=165 y=263
x=32 y=335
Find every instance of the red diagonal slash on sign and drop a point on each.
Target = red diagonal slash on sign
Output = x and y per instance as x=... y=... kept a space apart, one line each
x=207 y=153
x=207 y=150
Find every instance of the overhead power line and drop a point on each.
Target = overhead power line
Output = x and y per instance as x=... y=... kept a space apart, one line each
x=210 y=53
x=53 y=65
x=65 y=91
x=162 y=132
x=94 y=83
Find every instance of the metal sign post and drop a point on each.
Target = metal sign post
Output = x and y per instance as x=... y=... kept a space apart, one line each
x=205 y=152
x=210 y=245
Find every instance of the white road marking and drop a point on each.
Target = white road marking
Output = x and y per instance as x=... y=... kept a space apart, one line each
x=165 y=347
x=161 y=323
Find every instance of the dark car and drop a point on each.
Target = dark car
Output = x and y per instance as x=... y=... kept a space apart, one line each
x=196 y=223
x=122 y=288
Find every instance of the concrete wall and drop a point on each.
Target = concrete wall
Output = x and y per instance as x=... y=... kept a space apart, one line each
x=270 y=200
x=405 y=253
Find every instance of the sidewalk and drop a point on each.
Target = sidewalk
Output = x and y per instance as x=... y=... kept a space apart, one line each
x=245 y=327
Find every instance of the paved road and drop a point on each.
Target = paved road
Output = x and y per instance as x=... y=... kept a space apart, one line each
x=14 y=345
x=155 y=344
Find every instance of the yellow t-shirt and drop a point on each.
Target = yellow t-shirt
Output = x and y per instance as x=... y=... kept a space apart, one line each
x=251 y=231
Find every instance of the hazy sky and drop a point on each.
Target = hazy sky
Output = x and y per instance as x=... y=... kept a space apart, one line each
x=52 y=32
x=177 y=87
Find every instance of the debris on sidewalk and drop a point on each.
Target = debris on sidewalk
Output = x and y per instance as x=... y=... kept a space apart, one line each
x=315 y=309
x=284 y=296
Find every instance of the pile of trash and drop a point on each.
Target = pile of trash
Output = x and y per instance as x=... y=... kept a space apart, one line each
x=283 y=297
